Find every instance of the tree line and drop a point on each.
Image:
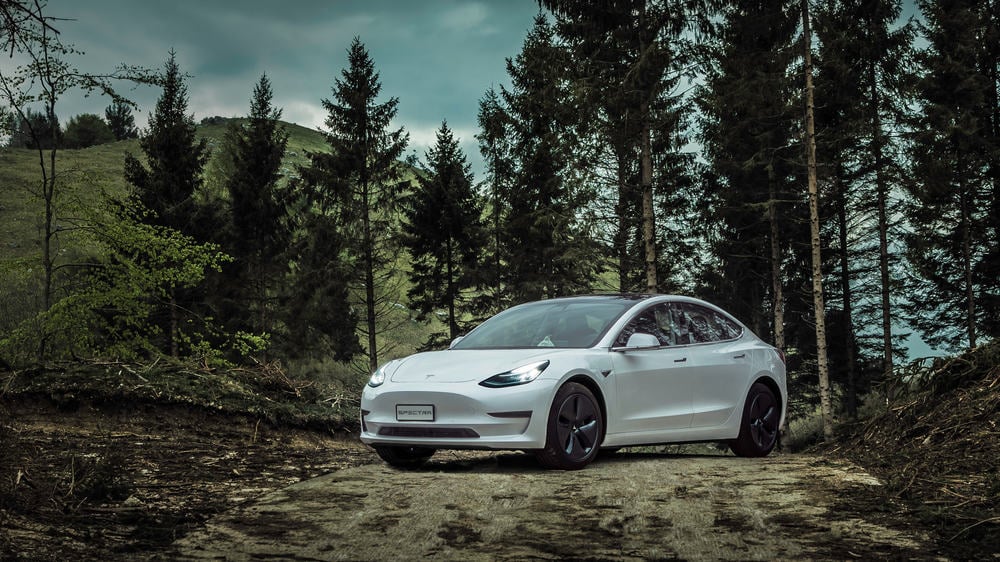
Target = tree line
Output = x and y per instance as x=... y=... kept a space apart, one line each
x=641 y=146
x=36 y=129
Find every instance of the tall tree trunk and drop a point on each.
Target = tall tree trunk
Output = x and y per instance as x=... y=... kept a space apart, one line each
x=648 y=218
x=845 y=289
x=826 y=405
x=369 y=252
x=452 y=324
x=882 y=196
x=777 y=291
x=620 y=241
x=966 y=233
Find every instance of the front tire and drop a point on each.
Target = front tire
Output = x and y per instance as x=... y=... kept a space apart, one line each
x=575 y=429
x=759 y=427
x=404 y=457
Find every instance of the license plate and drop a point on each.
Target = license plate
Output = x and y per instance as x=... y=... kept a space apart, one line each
x=414 y=412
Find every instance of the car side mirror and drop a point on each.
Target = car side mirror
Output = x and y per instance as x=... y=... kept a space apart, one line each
x=455 y=341
x=639 y=340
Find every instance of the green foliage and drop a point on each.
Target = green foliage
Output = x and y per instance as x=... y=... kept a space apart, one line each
x=444 y=235
x=168 y=185
x=112 y=311
x=175 y=158
x=86 y=130
x=549 y=252
x=120 y=120
x=748 y=123
x=954 y=298
x=35 y=129
x=359 y=180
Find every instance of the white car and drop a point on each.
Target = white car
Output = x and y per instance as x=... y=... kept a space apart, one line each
x=566 y=377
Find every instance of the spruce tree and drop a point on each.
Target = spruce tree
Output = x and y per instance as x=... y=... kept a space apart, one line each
x=363 y=176
x=256 y=208
x=748 y=125
x=550 y=252
x=175 y=157
x=444 y=234
x=319 y=318
x=953 y=151
x=166 y=186
x=495 y=147
x=861 y=67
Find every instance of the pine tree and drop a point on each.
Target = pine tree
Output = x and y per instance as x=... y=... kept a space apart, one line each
x=549 y=252
x=167 y=184
x=257 y=210
x=495 y=147
x=175 y=158
x=860 y=73
x=444 y=234
x=627 y=56
x=120 y=120
x=750 y=203
x=953 y=151
x=362 y=175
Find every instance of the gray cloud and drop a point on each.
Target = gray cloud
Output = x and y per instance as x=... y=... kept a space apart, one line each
x=438 y=57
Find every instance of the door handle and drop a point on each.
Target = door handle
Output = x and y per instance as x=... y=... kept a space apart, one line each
x=740 y=356
x=681 y=360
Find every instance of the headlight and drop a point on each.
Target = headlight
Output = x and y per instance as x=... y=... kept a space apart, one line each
x=378 y=377
x=513 y=377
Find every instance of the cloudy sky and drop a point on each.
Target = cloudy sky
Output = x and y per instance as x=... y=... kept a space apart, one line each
x=437 y=56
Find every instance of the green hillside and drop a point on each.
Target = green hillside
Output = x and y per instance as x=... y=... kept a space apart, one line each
x=84 y=173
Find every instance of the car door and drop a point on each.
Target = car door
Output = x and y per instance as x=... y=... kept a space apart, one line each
x=653 y=386
x=719 y=363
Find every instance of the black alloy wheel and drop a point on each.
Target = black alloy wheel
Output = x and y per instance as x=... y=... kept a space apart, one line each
x=575 y=429
x=759 y=428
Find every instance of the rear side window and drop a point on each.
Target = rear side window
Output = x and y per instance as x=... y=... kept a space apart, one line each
x=697 y=324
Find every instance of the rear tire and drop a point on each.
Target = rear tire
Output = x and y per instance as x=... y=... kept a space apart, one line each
x=575 y=429
x=759 y=427
x=404 y=457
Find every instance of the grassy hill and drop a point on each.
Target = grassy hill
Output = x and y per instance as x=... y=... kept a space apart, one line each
x=85 y=174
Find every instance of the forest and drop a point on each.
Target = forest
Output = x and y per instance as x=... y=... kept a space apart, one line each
x=647 y=146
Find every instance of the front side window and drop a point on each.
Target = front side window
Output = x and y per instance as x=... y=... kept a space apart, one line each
x=655 y=320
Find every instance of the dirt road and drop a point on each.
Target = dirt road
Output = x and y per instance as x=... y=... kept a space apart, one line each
x=504 y=507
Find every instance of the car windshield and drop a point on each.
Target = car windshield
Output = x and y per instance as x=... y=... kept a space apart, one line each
x=555 y=323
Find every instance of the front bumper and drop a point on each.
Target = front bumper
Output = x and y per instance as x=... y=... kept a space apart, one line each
x=467 y=416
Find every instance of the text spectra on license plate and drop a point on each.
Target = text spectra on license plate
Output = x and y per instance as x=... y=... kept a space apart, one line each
x=414 y=412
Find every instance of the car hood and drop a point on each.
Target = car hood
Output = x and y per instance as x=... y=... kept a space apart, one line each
x=465 y=365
